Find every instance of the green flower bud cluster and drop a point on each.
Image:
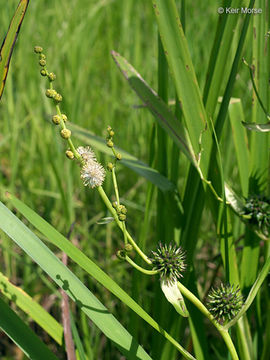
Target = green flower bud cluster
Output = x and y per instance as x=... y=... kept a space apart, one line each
x=121 y=254
x=169 y=260
x=110 y=143
x=53 y=94
x=224 y=302
x=42 y=62
x=121 y=211
x=257 y=209
x=50 y=93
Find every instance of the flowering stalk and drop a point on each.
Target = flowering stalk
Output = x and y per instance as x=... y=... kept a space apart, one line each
x=92 y=173
x=118 y=222
x=111 y=167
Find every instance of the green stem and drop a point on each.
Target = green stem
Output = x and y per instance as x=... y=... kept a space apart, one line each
x=251 y=296
x=115 y=186
x=228 y=341
x=141 y=269
x=255 y=89
x=119 y=223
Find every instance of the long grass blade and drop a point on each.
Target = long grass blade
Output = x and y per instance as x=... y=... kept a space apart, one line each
x=32 y=308
x=91 y=268
x=9 y=42
x=74 y=288
x=22 y=335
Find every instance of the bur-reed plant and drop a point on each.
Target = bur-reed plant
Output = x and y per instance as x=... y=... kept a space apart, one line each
x=203 y=134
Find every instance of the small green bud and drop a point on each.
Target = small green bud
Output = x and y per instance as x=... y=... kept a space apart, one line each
x=50 y=93
x=58 y=97
x=42 y=62
x=118 y=156
x=111 y=133
x=110 y=166
x=121 y=254
x=43 y=72
x=109 y=128
x=51 y=76
x=69 y=154
x=123 y=209
x=109 y=143
x=128 y=247
x=64 y=117
x=114 y=204
x=38 y=49
x=65 y=133
x=42 y=57
x=122 y=217
x=56 y=119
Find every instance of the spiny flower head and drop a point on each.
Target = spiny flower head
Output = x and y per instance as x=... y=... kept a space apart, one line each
x=258 y=208
x=169 y=260
x=224 y=302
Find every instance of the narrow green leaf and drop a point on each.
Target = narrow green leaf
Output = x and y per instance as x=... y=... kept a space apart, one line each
x=236 y=115
x=22 y=335
x=257 y=127
x=185 y=81
x=32 y=308
x=74 y=288
x=90 y=267
x=9 y=42
x=128 y=160
x=156 y=105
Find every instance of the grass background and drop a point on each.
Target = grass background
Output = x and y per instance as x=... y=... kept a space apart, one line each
x=77 y=38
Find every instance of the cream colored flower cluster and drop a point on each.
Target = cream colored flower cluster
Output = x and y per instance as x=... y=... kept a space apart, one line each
x=92 y=172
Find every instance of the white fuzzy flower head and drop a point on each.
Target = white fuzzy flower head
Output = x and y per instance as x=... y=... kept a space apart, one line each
x=92 y=174
x=86 y=153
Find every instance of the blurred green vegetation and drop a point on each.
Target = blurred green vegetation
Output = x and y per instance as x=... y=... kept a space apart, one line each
x=77 y=37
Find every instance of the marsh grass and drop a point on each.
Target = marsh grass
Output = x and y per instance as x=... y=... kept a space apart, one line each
x=79 y=37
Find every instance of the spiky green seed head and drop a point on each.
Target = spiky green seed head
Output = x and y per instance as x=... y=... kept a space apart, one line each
x=51 y=76
x=110 y=166
x=118 y=156
x=65 y=133
x=42 y=57
x=257 y=207
x=69 y=154
x=56 y=119
x=224 y=302
x=43 y=72
x=50 y=93
x=64 y=117
x=42 y=62
x=58 y=98
x=38 y=49
x=110 y=143
x=169 y=260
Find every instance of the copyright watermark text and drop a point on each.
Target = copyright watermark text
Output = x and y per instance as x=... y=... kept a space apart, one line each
x=241 y=10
